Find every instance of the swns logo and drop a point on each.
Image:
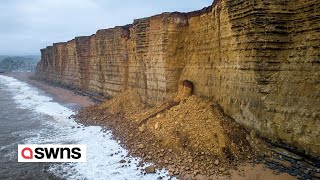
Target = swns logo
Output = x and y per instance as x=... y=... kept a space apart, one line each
x=52 y=153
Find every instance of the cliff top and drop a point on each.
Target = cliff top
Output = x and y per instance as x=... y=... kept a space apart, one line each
x=127 y=27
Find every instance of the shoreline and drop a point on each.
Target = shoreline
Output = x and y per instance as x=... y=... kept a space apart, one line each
x=59 y=94
x=70 y=98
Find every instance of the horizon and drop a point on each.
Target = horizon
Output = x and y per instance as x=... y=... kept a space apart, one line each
x=31 y=25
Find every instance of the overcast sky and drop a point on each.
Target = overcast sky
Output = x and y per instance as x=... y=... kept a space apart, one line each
x=29 y=25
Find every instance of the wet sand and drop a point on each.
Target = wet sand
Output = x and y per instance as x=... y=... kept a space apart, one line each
x=59 y=94
x=246 y=171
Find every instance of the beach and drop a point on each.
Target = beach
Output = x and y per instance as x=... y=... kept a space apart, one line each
x=31 y=115
x=247 y=170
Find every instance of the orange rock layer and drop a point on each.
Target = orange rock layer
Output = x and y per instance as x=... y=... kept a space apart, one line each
x=260 y=60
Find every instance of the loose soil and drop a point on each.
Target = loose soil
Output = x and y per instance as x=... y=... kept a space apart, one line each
x=192 y=136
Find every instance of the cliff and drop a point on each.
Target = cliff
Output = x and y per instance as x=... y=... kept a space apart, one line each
x=260 y=60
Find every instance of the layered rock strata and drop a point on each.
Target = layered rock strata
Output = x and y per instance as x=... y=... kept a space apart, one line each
x=260 y=60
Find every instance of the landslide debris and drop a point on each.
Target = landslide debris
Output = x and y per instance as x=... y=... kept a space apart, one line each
x=188 y=137
x=126 y=104
x=196 y=125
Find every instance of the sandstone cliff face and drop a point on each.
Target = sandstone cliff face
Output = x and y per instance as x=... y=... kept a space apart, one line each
x=260 y=60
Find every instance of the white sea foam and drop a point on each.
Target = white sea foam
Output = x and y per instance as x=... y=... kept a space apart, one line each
x=103 y=153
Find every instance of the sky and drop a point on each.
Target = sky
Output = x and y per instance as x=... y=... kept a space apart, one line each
x=26 y=26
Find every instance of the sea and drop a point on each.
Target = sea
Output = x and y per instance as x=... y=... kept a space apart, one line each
x=30 y=116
